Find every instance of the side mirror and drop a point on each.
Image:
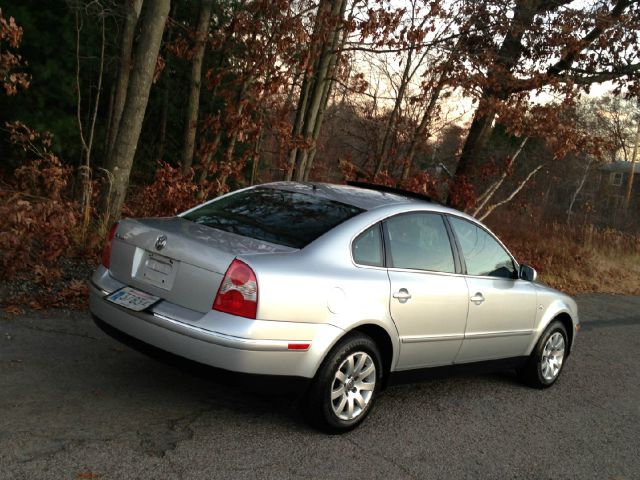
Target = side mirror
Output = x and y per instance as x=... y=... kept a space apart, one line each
x=528 y=273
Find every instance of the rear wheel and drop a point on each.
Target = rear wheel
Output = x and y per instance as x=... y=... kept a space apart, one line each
x=346 y=385
x=547 y=359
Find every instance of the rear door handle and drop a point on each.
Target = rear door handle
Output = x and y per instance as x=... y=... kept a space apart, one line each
x=477 y=298
x=402 y=295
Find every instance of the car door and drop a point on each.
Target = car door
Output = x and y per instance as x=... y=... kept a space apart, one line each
x=502 y=308
x=429 y=301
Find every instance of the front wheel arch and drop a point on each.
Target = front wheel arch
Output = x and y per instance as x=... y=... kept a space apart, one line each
x=565 y=319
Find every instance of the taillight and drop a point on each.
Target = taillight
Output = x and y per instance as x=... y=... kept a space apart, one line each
x=106 y=251
x=238 y=292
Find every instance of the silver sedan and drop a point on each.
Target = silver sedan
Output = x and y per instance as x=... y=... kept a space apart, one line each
x=338 y=290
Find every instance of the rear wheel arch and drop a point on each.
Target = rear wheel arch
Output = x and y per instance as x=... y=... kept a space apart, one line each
x=383 y=341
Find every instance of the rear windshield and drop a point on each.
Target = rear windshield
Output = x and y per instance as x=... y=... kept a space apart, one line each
x=278 y=216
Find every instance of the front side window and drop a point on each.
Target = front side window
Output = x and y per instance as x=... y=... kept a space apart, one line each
x=278 y=216
x=367 y=247
x=483 y=255
x=419 y=241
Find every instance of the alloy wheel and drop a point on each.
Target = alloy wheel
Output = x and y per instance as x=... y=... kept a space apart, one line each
x=353 y=385
x=552 y=356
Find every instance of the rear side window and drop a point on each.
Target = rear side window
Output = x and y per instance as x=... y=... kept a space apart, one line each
x=483 y=255
x=367 y=247
x=419 y=241
x=277 y=216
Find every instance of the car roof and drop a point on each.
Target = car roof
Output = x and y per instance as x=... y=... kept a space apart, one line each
x=365 y=198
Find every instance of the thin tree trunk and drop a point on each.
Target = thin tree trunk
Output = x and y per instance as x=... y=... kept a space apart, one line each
x=207 y=159
x=112 y=96
x=391 y=122
x=488 y=194
x=312 y=89
x=255 y=163
x=193 y=104
x=298 y=122
x=421 y=134
x=513 y=194
x=327 y=86
x=84 y=170
x=311 y=154
x=132 y=13
x=146 y=53
x=164 y=114
x=578 y=190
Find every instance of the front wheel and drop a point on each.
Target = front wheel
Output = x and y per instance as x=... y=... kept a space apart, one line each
x=548 y=357
x=346 y=385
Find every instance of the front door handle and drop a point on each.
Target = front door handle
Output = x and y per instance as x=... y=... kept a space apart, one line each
x=402 y=295
x=477 y=298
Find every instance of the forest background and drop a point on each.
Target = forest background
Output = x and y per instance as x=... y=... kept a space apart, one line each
x=506 y=109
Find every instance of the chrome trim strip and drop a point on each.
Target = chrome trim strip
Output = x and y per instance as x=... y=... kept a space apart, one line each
x=507 y=333
x=469 y=336
x=431 y=338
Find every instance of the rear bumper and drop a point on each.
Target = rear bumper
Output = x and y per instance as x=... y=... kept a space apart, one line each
x=216 y=339
x=252 y=382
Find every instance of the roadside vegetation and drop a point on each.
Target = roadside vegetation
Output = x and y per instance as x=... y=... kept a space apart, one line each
x=141 y=108
x=576 y=258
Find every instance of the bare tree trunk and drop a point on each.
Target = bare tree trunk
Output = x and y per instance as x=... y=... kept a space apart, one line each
x=145 y=58
x=255 y=163
x=193 y=104
x=421 y=134
x=488 y=194
x=112 y=96
x=211 y=153
x=314 y=84
x=84 y=170
x=578 y=190
x=393 y=116
x=132 y=13
x=305 y=88
x=327 y=86
x=513 y=194
x=164 y=113
x=311 y=154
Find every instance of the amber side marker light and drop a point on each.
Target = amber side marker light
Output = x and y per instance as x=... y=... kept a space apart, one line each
x=578 y=327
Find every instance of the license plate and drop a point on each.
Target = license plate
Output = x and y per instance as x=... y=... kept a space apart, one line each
x=132 y=299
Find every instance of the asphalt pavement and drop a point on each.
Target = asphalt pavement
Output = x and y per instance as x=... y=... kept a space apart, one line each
x=76 y=404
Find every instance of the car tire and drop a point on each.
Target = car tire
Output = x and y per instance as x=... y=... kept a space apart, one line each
x=548 y=357
x=346 y=385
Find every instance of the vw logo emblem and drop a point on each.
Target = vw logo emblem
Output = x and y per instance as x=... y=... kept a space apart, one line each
x=161 y=242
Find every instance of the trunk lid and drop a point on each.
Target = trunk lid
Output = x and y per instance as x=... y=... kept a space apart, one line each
x=178 y=260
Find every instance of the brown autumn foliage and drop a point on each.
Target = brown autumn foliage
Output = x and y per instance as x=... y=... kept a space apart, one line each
x=11 y=78
x=39 y=224
x=37 y=218
x=170 y=193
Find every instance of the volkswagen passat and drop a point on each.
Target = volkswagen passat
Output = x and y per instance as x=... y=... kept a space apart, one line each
x=343 y=289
